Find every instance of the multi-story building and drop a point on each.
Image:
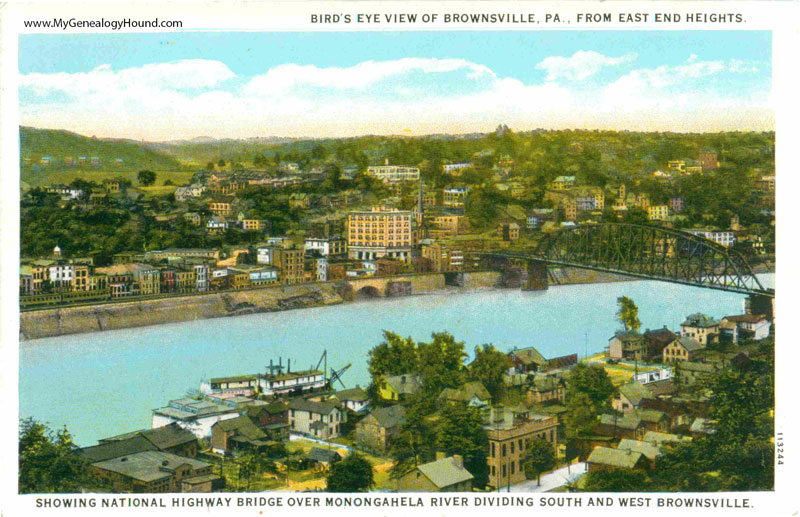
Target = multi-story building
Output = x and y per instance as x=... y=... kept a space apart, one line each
x=676 y=204
x=201 y=277
x=327 y=246
x=657 y=212
x=725 y=238
x=563 y=183
x=393 y=173
x=456 y=168
x=220 y=207
x=443 y=258
x=148 y=278
x=61 y=275
x=510 y=432
x=448 y=225
x=509 y=231
x=290 y=263
x=185 y=281
x=454 y=197
x=381 y=232
x=700 y=327
x=708 y=160
x=318 y=419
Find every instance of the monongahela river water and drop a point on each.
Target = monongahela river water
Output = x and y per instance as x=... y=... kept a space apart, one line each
x=106 y=383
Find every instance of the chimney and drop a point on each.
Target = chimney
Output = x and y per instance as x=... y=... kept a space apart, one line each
x=459 y=460
x=440 y=455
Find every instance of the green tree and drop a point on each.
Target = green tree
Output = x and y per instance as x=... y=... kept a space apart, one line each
x=210 y=166
x=48 y=462
x=488 y=367
x=146 y=177
x=628 y=314
x=352 y=474
x=441 y=363
x=539 y=457
x=461 y=431
x=221 y=163
x=395 y=356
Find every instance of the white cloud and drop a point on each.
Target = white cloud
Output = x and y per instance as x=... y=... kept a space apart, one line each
x=581 y=65
x=671 y=86
x=283 y=78
x=188 y=74
x=197 y=97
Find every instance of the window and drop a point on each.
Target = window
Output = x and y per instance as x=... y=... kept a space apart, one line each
x=503 y=452
x=513 y=465
x=493 y=450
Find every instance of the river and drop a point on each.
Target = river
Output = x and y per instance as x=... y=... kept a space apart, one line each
x=106 y=383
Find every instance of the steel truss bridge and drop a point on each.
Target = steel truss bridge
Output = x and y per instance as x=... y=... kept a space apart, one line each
x=641 y=251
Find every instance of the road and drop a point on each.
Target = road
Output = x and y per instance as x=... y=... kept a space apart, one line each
x=551 y=481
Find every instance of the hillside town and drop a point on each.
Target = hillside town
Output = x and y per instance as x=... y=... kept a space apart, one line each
x=322 y=218
x=662 y=409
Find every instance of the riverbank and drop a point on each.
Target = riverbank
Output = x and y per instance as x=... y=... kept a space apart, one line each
x=131 y=314
x=77 y=320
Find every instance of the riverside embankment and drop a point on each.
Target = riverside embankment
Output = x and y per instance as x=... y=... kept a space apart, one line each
x=95 y=318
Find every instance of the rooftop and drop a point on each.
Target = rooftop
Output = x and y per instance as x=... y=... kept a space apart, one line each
x=445 y=472
x=623 y=458
x=148 y=466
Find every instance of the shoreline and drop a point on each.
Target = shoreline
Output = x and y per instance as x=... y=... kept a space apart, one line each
x=57 y=322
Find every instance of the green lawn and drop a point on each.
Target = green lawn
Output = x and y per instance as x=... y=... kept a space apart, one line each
x=44 y=178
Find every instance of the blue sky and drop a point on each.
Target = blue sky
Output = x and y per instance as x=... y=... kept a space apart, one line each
x=234 y=84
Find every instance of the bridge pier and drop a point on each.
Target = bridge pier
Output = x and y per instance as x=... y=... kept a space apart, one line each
x=760 y=304
x=537 y=276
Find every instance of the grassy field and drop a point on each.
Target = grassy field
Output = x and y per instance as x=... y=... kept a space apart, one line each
x=621 y=372
x=44 y=178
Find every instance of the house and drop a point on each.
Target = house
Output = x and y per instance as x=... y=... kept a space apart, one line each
x=656 y=340
x=649 y=449
x=326 y=457
x=546 y=389
x=627 y=426
x=527 y=359
x=317 y=419
x=653 y=420
x=374 y=431
x=606 y=458
x=398 y=387
x=700 y=327
x=473 y=393
x=237 y=434
x=748 y=326
x=691 y=372
x=681 y=349
x=170 y=438
x=627 y=345
x=354 y=399
x=442 y=475
x=630 y=397
x=156 y=472
x=272 y=418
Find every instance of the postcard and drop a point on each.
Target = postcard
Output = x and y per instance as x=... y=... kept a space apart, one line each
x=398 y=258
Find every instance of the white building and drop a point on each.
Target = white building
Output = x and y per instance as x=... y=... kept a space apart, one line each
x=196 y=416
x=62 y=274
x=450 y=167
x=201 y=277
x=726 y=238
x=326 y=246
x=393 y=173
